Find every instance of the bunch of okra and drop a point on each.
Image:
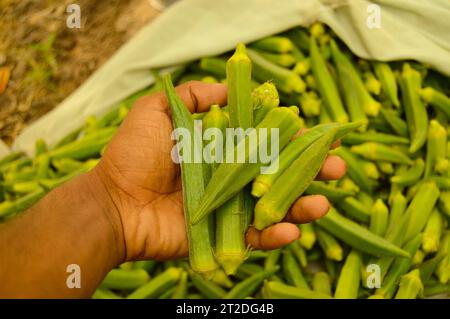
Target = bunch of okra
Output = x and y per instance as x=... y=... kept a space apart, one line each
x=386 y=234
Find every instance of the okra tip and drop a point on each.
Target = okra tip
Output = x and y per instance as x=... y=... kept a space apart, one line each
x=259 y=188
x=231 y=262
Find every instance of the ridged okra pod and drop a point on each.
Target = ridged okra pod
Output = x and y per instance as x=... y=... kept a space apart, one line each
x=193 y=177
x=436 y=161
x=292 y=271
x=333 y=193
x=388 y=83
x=416 y=114
x=359 y=138
x=206 y=287
x=410 y=286
x=371 y=83
x=380 y=152
x=299 y=253
x=276 y=44
x=285 y=79
x=277 y=290
x=157 y=285
x=326 y=85
x=395 y=122
x=216 y=66
x=101 y=293
x=330 y=246
x=432 y=233
x=248 y=286
x=264 y=98
x=310 y=104
x=273 y=205
x=286 y=60
x=411 y=176
x=352 y=207
x=232 y=176
x=349 y=279
x=321 y=283
x=121 y=279
x=308 y=235
x=357 y=236
x=379 y=216
x=437 y=99
x=398 y=269
x=263 y=182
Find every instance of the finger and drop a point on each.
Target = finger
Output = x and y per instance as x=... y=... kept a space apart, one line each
x=196 y=95
x=273 y=237
x=307 y=209
x=333 y=168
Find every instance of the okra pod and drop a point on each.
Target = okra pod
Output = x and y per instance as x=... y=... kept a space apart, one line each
x=436 y=149
x=272 y=259
x=418 y=258
x=437 y=99
x=101 y=293
x=193 y=180
x=307 y=235
x=358 y=237
x=299 y=253
x=411 y=176
x=310 y=104
x=292 y=271
x=285 y=79
x=371 y=83
x=230 y=178
x=302 y=67
x=326 y=85
x=273 y=206
x=380 y=152
x=410 y=286
x=300 y=38
x=397 y=124
x=157 y=285
x=416 y=114
x=353 y=208
x=334 y=194
x=349 y=186
x=398 y=269
x=214 y=65
x=248 y=286
x=379 y=216
x=322 y=283
x=206 y=287
x=397 y=209
x=429 y=266
x=359 y=138
x=282 y=59
x=264 y=182
x=330 y=246
x=436 y=289
x=432 y=232
x=147 y=265
x=181 y=289
x=276 y=44
x=444 y=203
x=264 y=98
x=8 y=208
x=66 y=165
x=122 y=279
x=10 y=158
x=277 y=290
x=247 y=269
x=388 y=83
x=349 y=278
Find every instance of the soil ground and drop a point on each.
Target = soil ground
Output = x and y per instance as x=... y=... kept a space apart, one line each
x=47 y=60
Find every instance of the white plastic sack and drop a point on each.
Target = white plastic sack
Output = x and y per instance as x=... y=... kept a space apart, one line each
x=410 y=29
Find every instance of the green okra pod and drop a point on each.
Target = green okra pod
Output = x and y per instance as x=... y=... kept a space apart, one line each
x=379 y=216
x=398 y=269
x=354 y=208
x=286 y=60
x=9 y=208
x=416 y=114
x=292 y=271
x=101 y=293
x=308 y=236
x=264 y=98
x=10 y=158
x=299 y=253
x=157 y=285
x=206 y=287
x=330 y=246
x=432 y=232
x=120 y=279
x=273 y=206
x=277 y=290
x=302 y=67
x=397 y=209
x=418 y=258
x=147 y=265
x=380 y=152
x=334 y=194
x=358 y=237
x=436 y=150
x=434 y=289
x=300 y=38
x=444 y=203
x=349 y=278
x=410 y=286
x=310 y=104
x=277 y=44
x=372 y=84
x=263 y=182
x=248 y=286
x=248 y=269
x=193 y=177
x=322 y=283
x=66 y=165
x=326 y=85
x=230 y=178
x=214 y=65
x=388 y=83
x=359 y=138
x=410 y=176
x=285 y=79
x=429 y=266
x=395 y=122
x=437 y=99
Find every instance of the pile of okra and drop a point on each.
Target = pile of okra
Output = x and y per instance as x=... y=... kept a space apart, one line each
x=386 y=234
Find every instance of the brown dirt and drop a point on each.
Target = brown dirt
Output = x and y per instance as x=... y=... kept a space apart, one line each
x=48 y=60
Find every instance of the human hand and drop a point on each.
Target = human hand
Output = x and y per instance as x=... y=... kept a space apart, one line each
x=144 y=184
